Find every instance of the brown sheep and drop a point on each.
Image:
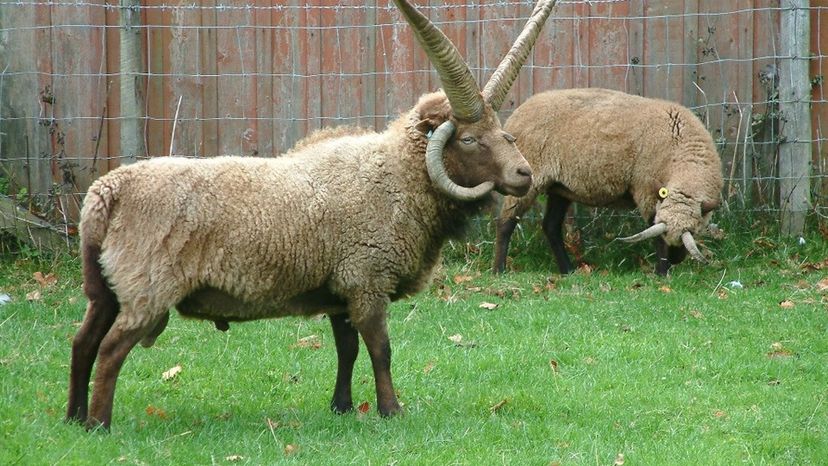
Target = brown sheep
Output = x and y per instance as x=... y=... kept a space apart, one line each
x=606 y=148
x=341 y=227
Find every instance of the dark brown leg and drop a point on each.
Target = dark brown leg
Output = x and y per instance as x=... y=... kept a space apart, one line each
x=374 y=332
x=505 y=228
x=100 y=314
x=113 y=351
x=556 y=207
x=347 y=348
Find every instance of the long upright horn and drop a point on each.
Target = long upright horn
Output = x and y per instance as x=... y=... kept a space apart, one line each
x=458 y=82
x=505 y=74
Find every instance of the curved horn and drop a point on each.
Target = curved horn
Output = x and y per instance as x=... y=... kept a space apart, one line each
x=458 y=82
x=437 y=171
x=651 y=232
x=690 y=244
x=506 y=73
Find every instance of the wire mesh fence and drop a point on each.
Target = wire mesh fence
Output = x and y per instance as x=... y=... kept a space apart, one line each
x=253 y=77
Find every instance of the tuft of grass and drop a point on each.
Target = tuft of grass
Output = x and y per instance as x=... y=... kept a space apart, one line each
x=716 y=364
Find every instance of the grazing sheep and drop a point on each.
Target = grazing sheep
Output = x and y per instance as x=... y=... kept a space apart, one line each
x=606 y=148
x=341 y=227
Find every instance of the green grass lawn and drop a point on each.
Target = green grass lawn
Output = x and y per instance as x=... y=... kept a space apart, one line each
x=581 y=369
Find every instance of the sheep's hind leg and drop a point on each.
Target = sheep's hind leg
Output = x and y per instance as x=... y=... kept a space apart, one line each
x=114 y=349
x=374 y=332
x=347 y=348
x=553 y=220
x=100 y=314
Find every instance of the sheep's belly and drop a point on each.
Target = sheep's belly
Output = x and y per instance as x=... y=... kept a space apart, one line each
x=215 y=304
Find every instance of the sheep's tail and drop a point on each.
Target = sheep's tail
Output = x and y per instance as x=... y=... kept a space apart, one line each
x=95 y=213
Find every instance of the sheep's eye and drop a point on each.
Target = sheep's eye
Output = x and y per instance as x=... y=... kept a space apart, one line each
x=468 y=140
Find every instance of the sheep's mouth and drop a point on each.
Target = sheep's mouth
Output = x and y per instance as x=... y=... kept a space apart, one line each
x=517 y=190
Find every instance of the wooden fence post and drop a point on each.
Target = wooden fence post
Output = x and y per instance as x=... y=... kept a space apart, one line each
x=794 y=105
x=132 y=83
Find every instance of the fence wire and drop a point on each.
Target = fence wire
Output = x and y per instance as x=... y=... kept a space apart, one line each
x=253 y=78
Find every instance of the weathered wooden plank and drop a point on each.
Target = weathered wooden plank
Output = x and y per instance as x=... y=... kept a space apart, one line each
x=183 y=83
x=25 y=111
x=690 y=57
x=609 y=45
x=634 y=78
x=158 y=129
x=79 y=98
x=663 y=48
x=313 y=70
x=209 y=80
x=264 y=57
x=552 y=55
x=291 y=51
x=819 y=109
x=794 y=103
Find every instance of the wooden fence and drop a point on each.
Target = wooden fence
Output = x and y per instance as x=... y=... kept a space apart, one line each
x=252 y=77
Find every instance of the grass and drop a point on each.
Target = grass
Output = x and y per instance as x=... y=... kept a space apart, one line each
x=689 y=369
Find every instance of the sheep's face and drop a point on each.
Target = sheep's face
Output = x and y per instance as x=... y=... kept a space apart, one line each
x=478 y=152
x=683 y=213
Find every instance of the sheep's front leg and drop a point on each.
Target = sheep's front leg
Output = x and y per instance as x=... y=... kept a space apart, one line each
x=667 y=256
x=374 y=332
x=347 y=348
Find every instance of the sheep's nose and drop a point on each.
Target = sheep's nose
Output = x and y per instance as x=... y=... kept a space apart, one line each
x=524 y=171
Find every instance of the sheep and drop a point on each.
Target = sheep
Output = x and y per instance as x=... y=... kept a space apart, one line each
x=342 y=227
x=606 y=148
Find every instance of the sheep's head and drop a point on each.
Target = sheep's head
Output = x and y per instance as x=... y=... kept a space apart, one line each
x=680 y=215
x=477 y=157
x=468 y=153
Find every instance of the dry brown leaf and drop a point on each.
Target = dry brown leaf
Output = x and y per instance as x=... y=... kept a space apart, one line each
x=171 y=373
x=779 y=351
x=364 y=407
x=722 y=293
x=585 y=269
x=157 y=412
x=233 y=458
x=496 y=407
x=474 y=289
x=456 y=338
x=619 y=460
x=458 y=279
x=665 y=289
x=822 y=285
x=697 y=314
x=310 y=341
x=428 y=367
x=33 y=296
x=553 y=365
x=47 y=280
x=290 y=449
x=489 y=306
x=786 y=304
x=719 y=414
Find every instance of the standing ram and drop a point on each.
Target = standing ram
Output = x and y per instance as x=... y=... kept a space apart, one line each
x=606 y=148
x=342 y=227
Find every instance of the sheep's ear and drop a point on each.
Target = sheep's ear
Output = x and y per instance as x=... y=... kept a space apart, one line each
x=433 y=110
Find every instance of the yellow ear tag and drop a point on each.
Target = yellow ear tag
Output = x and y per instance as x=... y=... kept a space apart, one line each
x=663 y=192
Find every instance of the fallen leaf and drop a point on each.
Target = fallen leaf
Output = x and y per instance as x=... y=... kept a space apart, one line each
x=619 y=460
x=822 y=285
x=488 y=306
x=234 y=458
x=290 y=449
x=46 y=280
x=310 y=341
x=456 y=338
x=157 y=412
x=697 y=314
x=458 y=279
x=428 y=367
x=585 y=269
x=171 y=373
x=496 y=407
x=779 y=351
x=719 y=414
x=605 y=287
x=474 y=289
x=33 y=296
x=665 y=289
x=786 y=304
x=553 y=365
x=722 y=293
x=363 y=407
x=774 y=382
